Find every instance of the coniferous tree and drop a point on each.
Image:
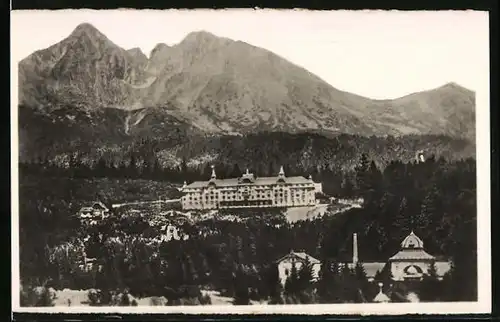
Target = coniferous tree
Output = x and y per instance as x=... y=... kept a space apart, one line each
x=157 y=170
x=327 y=282
x=241 y=294
x=362 y=173
x=429 y=208
x=270 y=170
x=74 y=166
x=207 y=172
x=447 y=286
x=373 y=183
x=101 y=168
x=347 y=187
x=236 y=172
x=122 y=169
x=348 y=289
x=463 y=275
x=362 y=283
x=132 y=172
x=305 y=276
x=147 y=169
x=430 y=287
x=184 y=169
x=403 y=221
x=275 y=286
x=124 y=299
x=385 y=275
x=292 y=282
x=305 y=285
x=422 y=219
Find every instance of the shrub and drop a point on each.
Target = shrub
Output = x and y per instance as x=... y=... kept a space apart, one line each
x=205 y=299
x=94 y=297
x=40 y=296
x=157 y=301
x=189 y=301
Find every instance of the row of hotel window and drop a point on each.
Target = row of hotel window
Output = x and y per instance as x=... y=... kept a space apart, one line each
x=251 y=196
x=248 y=202
x=261 y=187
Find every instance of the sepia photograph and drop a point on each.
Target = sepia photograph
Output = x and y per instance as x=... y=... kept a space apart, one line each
x=250 y=161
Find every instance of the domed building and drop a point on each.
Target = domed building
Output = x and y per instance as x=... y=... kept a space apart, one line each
x=381 y=297
x=412 y=262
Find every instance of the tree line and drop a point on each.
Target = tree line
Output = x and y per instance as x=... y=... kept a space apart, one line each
x=436 y=199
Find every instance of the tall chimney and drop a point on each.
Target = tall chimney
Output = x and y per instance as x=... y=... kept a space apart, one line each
x=355 y=249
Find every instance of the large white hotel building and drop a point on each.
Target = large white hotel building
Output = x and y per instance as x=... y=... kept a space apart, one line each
x=249 y=191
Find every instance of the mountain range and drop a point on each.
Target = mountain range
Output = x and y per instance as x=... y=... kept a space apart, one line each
x=215 y=85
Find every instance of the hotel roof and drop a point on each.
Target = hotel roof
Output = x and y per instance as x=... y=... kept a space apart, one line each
x=412 y=248
x=371 y=268
x=256 y=181
x=411 y=254
x=300 y=255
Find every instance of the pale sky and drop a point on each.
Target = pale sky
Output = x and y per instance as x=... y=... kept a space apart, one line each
x=376 y=54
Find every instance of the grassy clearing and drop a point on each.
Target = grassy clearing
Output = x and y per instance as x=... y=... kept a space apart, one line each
x=87 y=190
x=295 y=214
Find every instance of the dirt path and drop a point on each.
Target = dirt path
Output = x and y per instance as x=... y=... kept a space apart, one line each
x=295 y=214
x=167 y=201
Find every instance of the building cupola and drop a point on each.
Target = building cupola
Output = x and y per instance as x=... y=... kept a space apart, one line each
x=281 y=174
x=381 y=297
x=247 y=177
x=213 y=176
x=412 y=241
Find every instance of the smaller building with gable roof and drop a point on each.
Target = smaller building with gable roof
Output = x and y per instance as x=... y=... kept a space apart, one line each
x=412 y=262
x=298 y=259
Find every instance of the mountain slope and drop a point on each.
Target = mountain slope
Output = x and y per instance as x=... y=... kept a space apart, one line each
x=67 y=130
x=223 y=86
x=84 y=70
x=448 y=110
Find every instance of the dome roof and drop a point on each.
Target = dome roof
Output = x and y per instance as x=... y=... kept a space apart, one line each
x=381 y=298
x=412 y=241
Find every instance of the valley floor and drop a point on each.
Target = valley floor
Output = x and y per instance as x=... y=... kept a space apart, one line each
x=73 y=298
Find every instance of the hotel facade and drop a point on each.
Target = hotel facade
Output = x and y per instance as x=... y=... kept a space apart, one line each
x=249 y=191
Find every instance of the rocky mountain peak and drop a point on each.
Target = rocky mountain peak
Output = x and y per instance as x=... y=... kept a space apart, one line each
x=223 y=86
x=159 y=50
x=86 y=29
x=203 y=39
x=453 y=86
x=137 y=53
x=200 y=35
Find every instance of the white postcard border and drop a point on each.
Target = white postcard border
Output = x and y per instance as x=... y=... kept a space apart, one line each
x=483 y=305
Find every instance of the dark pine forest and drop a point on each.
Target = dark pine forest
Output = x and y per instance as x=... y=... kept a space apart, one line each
x=436 y=199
